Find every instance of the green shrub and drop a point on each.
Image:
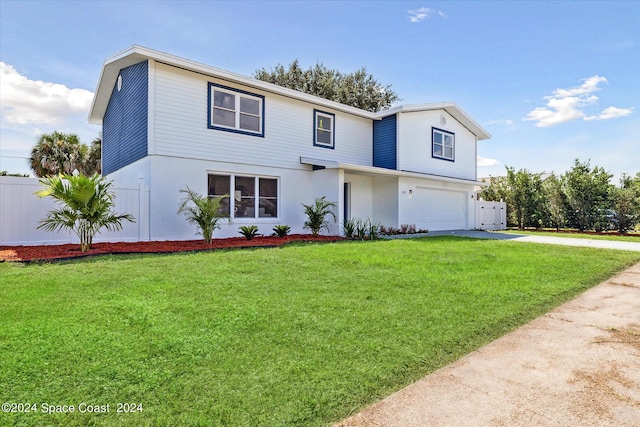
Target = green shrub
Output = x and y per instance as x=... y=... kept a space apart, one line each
x=357 y=228
x=87 y=206
x=249 y=231
x=349 y=228
x=281 y=230
x=205 y=212
x=316 y=215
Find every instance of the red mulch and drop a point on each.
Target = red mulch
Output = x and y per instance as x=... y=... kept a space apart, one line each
x=58 y=252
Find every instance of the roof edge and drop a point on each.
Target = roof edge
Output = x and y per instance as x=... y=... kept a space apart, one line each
x=449 y=106
x=374 y=170
x=136 y=53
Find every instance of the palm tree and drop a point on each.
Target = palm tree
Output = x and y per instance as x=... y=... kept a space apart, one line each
x=93 y=160
x=57 y=153
x=86 y=207
x=316 y=215
x=205 y=212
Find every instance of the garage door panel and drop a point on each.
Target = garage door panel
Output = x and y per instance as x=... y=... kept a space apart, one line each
x=440 y=209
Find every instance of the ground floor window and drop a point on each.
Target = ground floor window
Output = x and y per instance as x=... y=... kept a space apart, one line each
x=245 y=196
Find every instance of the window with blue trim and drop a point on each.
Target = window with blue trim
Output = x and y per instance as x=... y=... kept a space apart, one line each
x=235 y=110
x=324 y=129
x=245 y=196
x=443 y=144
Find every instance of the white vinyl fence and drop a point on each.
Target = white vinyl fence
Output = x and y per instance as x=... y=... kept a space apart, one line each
x=21 y=210
x=491 y=215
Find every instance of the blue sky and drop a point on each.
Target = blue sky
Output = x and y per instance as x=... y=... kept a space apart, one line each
x=550 y=80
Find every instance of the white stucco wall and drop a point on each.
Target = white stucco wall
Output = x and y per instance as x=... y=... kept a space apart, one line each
x=385 y=201
x=169 y=175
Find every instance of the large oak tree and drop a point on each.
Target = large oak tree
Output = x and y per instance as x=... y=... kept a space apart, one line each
x=358 y=89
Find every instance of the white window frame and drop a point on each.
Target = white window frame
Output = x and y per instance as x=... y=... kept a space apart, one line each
x=256 y=195
x=442 y=145
x=317 y=115
x=238 y=95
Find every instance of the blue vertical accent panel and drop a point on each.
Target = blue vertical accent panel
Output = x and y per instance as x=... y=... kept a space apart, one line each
x=385 y=150
x=124 y=126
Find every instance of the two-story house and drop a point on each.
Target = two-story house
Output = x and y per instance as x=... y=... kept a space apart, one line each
x=173 y=123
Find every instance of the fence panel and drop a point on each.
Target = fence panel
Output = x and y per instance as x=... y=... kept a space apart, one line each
x=491 y=215
x=21 y=211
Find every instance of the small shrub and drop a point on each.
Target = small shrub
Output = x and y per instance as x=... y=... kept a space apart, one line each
x=86 y=206
x=205 y=212
x=404 y=229
x=249 y=231
x=349 y=228
x=361 y=229
x=316 y=215
x=281 y=230
x=374 y=230
x=357 y=228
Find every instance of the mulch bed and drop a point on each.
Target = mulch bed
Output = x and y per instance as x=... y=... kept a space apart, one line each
x=68 y=251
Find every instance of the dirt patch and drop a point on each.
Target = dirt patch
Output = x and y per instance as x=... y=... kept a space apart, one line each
x=622 y=336
x=58 y=252
x=601 y=391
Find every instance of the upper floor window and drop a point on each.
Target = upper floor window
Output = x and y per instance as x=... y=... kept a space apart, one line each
x=443 y=144
x=235 y=110
x=323 y=129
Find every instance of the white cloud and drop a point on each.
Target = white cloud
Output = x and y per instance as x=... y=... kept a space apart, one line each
x=417 y=15
x=611 y=113
x=590 y=85
x=25 y=101
x=486 y=161
x=565 y=105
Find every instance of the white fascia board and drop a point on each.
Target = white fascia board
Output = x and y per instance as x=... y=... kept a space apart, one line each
x=135 y=54
x=450 y=107
x=108 y=75
x=376 y=171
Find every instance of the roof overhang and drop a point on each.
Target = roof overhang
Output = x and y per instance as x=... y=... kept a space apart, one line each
x=376 y=171
x=450 y=107
x=135 y=54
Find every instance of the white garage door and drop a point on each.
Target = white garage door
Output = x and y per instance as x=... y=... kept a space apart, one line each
x=440 y=209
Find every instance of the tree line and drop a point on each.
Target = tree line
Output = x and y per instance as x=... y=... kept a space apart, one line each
x=583 y=199
x=62 y=153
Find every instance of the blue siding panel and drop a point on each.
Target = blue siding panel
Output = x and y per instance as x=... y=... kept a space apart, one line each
x=124 y=126
x=384 y=142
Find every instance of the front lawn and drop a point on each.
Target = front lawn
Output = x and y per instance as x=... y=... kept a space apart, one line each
x=297 y=335
x=631 y=237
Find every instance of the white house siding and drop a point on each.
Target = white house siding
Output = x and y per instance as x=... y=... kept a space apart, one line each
x=436 y=205
x=414 y=145
x=385 y=201
x=180 y=121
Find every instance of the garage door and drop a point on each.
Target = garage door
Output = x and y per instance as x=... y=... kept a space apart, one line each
x=440 y=209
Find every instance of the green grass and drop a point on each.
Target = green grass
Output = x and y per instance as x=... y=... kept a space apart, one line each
x=298 y=335
x=634 y=237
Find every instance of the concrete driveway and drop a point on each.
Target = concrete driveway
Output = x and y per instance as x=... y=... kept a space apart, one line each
x=578 y=365
x=550 y=240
